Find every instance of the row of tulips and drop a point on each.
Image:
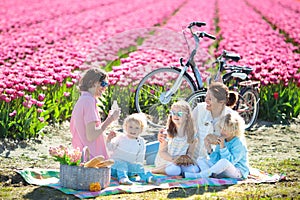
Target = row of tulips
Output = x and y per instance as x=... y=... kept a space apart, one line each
x=40 y=11
x=291 y=4
x=22 y=43
x=274 y=61
x=131 y=30
x=283 y=18
x=47 y=69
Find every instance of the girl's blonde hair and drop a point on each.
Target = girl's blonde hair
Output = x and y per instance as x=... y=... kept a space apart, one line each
x=90 y=77
x=188 y=125
x=140 y=118
x=232 y=123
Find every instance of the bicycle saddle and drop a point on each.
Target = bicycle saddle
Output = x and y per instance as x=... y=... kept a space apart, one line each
x=247 y=70
x=232 y=56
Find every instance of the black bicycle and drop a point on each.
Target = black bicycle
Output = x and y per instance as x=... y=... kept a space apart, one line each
x=160 y=88
x=157 y=91
x=237 y=79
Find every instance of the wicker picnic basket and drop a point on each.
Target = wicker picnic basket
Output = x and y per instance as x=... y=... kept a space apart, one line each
x=80 y=178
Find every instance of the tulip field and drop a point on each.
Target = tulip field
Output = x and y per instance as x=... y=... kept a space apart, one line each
x=45 y=45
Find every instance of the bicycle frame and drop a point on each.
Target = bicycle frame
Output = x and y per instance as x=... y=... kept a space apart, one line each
x=160 y=87
x=194 y=67
x=165 y=97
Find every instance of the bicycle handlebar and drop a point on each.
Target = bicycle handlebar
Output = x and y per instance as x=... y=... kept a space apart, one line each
x=199 y=24
x=204 y=34
x=196 y=35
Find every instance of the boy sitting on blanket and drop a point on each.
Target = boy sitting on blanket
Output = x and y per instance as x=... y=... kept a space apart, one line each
x=128 y=151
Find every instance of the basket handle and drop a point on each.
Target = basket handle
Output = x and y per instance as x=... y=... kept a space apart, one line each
x=85 y=154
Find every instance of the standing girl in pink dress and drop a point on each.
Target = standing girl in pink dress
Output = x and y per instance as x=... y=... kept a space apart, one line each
x=86 y=126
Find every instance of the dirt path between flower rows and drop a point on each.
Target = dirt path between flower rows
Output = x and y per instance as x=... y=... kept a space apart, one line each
x=265 y=140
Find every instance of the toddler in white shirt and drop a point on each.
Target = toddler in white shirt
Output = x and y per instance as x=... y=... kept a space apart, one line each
x=128 y=151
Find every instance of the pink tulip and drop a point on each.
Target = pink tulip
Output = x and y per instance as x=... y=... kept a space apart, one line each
x=33 y=101
x=41 y=97
x=9 y=84
x=41 y=119
x=39 y=110
x=12 y=114
x=52 y=82
x=40 y=103
x=27 y=104
x=9 y=91
x=69 y=84
x=7 y=99
x=22 y=87
x=20 y=93
x=66 y=94
x=31 y=88
x=3 y=96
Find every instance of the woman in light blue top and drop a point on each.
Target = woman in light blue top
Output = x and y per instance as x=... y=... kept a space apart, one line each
x=230 y=157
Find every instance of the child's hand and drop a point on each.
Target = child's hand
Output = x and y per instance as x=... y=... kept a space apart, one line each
x=111 y=135
x=221 y=142
x=163 y=142
x=161 y=136
x=207 y=145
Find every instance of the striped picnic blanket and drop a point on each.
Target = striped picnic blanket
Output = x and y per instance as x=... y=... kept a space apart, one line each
x=50 y=177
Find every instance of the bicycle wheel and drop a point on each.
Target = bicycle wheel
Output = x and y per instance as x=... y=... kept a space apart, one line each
x=150 y=95
x=248 y=106
x=196 y=98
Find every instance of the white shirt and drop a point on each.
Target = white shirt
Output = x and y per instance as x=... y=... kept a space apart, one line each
x=177 y=146
x=127 y=149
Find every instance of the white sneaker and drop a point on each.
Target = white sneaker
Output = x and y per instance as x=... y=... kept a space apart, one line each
x=125 y=181
x=153 y=180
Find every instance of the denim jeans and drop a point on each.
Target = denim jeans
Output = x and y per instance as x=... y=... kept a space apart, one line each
x=122 y=169
x=176 y=170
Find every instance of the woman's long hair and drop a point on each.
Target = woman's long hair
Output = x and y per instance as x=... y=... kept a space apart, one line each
x=221 y=92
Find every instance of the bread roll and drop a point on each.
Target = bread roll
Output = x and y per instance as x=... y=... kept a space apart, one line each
x=212 y=139
x=94 y=162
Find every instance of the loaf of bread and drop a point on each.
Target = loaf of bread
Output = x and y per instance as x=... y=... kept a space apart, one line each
x=105 y=163
x=184 y=160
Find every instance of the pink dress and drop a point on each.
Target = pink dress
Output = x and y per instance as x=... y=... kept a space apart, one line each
x=84 y=112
